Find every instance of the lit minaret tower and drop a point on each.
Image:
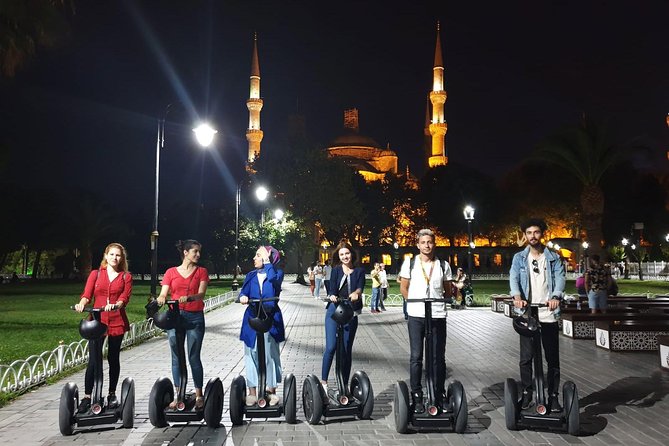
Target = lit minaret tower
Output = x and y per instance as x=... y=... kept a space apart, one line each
x=254 y=104
x=438 y=125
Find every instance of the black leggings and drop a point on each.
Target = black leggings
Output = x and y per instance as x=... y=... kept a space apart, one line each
x=114 y=360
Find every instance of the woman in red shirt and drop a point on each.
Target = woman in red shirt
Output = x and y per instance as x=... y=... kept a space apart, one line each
x=184 y=281
x=110 y=288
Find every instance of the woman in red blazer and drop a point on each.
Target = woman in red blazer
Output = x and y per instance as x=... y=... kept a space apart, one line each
x=110 y=288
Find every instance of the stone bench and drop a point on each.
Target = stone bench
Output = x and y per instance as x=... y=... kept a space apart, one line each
x=663 y=348
x=581 y=325
x=630 y=335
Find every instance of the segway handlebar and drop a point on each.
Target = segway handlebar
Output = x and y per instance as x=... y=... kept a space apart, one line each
x=92 y=310
x=430 y=299
x=176 y=301
x=263 y=299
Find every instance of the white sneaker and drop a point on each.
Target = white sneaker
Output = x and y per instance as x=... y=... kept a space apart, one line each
x=273 y=399
x=251 y=400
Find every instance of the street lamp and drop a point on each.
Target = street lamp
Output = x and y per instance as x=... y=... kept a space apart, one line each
x=238 y=199
x=204 y=135
x=278 y=214
x=585 y=246
x=626 y=242
x=261 y=195
x=468 y=212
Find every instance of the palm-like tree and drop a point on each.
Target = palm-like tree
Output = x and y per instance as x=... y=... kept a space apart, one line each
x=27 y=24
x=586 y=152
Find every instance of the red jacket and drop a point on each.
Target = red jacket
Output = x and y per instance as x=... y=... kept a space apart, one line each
x=104 y=292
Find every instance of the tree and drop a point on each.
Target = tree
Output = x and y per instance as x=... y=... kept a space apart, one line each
x=28 y=24
x=585 y=151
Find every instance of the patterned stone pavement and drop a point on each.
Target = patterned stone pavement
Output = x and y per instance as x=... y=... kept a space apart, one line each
x=623 y=396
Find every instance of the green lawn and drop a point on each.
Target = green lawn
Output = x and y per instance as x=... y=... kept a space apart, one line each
x=35 y=316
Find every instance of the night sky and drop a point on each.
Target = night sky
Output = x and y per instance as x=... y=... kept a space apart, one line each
x=85 y=114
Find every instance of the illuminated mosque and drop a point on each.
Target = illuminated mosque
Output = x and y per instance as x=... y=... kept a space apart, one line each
x=357 y=150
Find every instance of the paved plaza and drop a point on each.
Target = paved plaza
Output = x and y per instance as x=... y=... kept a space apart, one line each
x=623 y=396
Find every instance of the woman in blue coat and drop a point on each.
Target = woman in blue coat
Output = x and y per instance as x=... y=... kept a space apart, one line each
x=346 y=282
x=263 y=282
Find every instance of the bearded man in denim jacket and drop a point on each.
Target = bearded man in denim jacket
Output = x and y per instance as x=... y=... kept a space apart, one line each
x=538 y=276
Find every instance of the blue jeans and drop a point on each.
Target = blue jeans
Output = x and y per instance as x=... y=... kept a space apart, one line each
x=272 y=363
x=319 y=283
x=598 y=299
x=331 y=344
x=416 y=327
x=193 y=324
x=375 y=298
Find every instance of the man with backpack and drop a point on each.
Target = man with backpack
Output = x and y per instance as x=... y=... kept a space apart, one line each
x=425 y=276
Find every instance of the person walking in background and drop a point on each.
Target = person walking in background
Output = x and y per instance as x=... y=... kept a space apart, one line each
x=318 y=277
x=426 y=277
x=327 y=273
x=537 y=276
x=598 y=281
x=311 y=273
x=383 y=278
x=376 y=289
x=187 y=283
x=264 y=281
x=108 y=287
x=348 y=283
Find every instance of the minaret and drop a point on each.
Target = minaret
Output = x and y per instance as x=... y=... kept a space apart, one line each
x=438 y=125
x=254 y=104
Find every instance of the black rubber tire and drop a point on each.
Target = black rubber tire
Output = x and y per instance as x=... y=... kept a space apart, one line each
x=69 y=401
x=213 y=403
x=290 y=399
x=571 y=407
x=401 y=407
x=128 y=403
x=469 y=300
x=312 y=400
x=237 y=401
x=361 y=389
x=458 y=402
x=511 y=404
x=162 y=394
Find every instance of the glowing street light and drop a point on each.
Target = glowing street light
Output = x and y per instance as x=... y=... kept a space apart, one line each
x=204 y=134
x=468 y=212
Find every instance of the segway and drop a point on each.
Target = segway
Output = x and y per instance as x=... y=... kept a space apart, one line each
x=451 y=413
x=162 y=392
x=347 y=400
x=261 y=409
x=538 y=415
x=99 y=413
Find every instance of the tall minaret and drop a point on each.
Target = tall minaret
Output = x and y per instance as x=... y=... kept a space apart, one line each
x=438 y=125
x=254 y=104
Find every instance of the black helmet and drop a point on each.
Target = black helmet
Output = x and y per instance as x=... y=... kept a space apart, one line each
x=343 y=314
x=526 y=326
x=262 y=322
x=92 y=329
x=166 y=320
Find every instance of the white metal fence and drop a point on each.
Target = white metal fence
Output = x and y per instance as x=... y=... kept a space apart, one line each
x=23 y=374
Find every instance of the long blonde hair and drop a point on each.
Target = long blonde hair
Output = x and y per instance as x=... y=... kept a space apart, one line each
x=123 y=264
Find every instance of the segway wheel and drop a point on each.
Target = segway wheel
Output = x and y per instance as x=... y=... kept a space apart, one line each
x=237 y=400
x=458 y=403
x=469 y=300
x=290 y=399
x=361 y=389
x=571 y=407
x=213 y=402
x=312 y=400
x=162 y=394
x=511 y=404
x=401 y=407
x=69 y=399
x=128 y=403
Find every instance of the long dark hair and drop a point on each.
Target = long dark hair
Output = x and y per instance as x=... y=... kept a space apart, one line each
x=186 y=245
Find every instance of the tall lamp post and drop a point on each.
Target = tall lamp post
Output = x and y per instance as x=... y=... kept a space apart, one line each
x=585 y=246
x=238 y=200
x=468 y=212
x=626 y=242
x=261 y=195
x=204 y=134
x=397 y=257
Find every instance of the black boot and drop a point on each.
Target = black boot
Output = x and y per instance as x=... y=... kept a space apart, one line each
x=418 y=405
x=554 y=403
x=527 y=400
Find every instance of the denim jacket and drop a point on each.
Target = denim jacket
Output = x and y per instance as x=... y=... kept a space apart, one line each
x=519 y=278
